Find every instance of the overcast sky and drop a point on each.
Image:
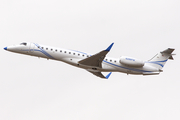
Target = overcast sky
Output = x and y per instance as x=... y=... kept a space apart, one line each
x=37 y=89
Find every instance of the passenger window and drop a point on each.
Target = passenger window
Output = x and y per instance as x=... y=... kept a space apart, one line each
x=42 y=48
x=114 y=61
x=78 y=54
x=83 y=55
x=51 y=49
x=64 y=51
x=60 y=50
x=56 y=50
x=73 y=53
x=69 y=52
x=110 y=60
x=46 y=48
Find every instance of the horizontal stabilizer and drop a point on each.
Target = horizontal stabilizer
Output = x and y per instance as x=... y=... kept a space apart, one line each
x=168 y=51
x=171 y=57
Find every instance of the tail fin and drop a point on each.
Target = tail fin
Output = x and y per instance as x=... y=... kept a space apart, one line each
x=161 y=58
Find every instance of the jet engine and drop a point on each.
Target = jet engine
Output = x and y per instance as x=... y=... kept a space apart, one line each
x=131 y=62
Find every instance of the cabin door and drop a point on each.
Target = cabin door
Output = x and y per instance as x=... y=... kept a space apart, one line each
x=31 y=48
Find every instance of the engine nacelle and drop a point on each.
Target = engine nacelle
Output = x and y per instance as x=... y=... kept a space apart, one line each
x=132 y=62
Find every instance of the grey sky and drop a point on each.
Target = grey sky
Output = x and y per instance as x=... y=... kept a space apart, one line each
x=32 y=88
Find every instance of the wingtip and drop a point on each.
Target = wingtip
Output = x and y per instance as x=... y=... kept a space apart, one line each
x=109 y=48
x=108 y=75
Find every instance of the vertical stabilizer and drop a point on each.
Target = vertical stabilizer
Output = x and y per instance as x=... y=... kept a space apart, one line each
x=161 y=58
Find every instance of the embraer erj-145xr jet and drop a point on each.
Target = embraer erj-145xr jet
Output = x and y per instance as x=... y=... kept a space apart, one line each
x=96 y=63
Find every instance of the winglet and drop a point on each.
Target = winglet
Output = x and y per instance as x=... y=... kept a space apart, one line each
x=109 y=48
x=108 y=75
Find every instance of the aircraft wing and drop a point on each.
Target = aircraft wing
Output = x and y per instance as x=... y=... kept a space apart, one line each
x=96 y=60
x=99 y=74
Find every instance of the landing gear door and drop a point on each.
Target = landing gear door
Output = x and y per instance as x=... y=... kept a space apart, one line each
x=31 y=48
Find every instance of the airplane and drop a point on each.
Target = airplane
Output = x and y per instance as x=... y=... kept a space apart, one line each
x=96 y=63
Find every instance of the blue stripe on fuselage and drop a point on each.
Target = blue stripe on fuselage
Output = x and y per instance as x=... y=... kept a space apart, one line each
x=44 y=52
x=137 y=70
x=157 y=62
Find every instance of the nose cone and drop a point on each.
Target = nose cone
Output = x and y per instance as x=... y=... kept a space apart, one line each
x=5 y=48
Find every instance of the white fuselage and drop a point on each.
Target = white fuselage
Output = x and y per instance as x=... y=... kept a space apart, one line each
x=72 y=57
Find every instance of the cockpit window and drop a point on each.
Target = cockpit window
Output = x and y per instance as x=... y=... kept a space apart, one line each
x=23 y=44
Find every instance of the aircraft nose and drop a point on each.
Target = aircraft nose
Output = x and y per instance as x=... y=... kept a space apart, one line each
x=5 y=48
